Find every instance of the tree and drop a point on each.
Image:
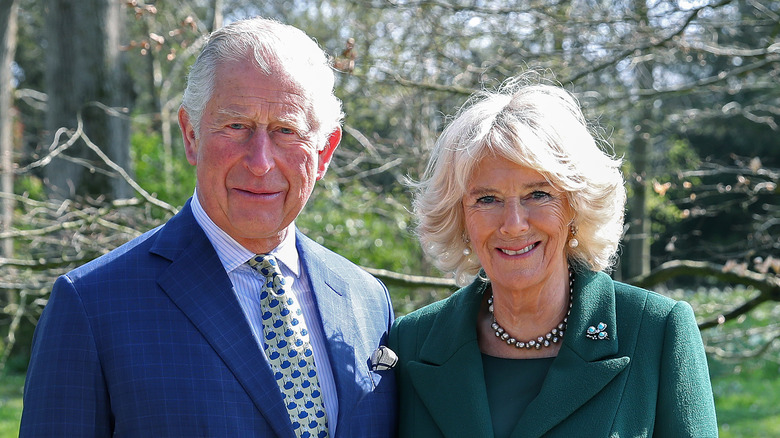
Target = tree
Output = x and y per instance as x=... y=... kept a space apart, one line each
x=8 y=13
x=699 y=79
x=86 y=84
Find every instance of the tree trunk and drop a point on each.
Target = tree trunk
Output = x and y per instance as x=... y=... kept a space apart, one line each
x=86 y=75
x=215 y=19
x=637 y=255
x=8 y=13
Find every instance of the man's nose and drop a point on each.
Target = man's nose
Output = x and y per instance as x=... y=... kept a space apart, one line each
x=260 y=154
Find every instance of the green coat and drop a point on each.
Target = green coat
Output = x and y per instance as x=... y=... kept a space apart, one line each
x=650 y=378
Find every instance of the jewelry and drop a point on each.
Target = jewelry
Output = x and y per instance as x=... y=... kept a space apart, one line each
x=597 y=333
x=466 y=250
x=549 y=338
x=573 y=242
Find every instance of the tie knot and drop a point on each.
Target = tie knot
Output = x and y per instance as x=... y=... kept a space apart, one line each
x=265 y=264
x=268 y=267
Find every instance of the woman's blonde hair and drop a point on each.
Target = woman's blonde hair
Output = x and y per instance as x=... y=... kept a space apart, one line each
x=538 y=126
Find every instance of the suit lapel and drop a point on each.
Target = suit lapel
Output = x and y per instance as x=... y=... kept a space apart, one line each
x=196 y=282
x=449 y=377
x=584 y=366
x=345 y=344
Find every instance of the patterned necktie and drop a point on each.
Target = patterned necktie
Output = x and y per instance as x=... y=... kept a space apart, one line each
x=287 y=346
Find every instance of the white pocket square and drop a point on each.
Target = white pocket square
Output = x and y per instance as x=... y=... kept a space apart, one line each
x=383 y=358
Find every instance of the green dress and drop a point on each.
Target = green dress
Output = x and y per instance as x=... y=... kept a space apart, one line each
x=511 y=386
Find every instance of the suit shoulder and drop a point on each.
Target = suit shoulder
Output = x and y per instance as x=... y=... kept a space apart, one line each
x=335 y=261
x=138 y=246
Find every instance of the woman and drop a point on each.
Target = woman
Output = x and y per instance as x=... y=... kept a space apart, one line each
x=519 y=202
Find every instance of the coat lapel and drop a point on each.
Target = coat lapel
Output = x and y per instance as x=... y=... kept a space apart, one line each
x=584 y=366
x=347 y=349
x=449 y=377
x=196 y=282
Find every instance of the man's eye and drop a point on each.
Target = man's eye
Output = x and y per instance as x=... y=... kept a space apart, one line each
x=236 y=126
x=286 y=131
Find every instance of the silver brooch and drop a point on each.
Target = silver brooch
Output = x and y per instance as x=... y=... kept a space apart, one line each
x=383 y=358
x=598 y=332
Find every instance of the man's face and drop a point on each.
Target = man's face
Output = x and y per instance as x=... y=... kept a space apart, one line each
x=257 y=158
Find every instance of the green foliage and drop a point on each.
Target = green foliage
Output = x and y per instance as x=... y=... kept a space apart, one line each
x=149 y=158
x=30 y=186
x=680 y=156
x=374 y=230
x=662 y=212
x=371 y=229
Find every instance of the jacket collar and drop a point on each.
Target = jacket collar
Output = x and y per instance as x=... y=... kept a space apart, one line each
x=209 y=302
x=451 y=362
x=345 y=341
x=584 y=366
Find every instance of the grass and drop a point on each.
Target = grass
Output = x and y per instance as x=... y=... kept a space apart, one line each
x=11 y=386
x=747 y=400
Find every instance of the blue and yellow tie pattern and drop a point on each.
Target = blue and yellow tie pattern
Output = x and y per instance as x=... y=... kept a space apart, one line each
x=286 y=343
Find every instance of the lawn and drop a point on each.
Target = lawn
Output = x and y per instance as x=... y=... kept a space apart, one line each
x=747 y=399
x=10 y=404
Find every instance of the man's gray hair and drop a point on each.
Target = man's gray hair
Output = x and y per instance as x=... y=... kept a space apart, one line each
x=270 y=43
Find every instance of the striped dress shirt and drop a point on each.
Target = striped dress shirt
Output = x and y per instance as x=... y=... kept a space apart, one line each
x=247 y=285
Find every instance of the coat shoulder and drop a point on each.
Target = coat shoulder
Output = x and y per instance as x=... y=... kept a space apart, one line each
x=426 y=315
x=414 y=327
x=652 y=304
x=336 y=262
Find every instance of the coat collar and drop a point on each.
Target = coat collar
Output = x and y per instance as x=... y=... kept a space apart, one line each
x=451 y=362
x=347 y=349
x=209 y=302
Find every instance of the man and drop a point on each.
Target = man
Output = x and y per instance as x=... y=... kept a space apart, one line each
x=175 y=333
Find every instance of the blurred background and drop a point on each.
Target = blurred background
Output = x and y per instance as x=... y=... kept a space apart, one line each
x=687 y=92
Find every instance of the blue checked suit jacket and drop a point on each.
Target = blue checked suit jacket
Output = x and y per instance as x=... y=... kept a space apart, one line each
x=149 y=340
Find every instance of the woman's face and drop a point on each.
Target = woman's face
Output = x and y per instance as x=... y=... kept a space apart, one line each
x=517 y=223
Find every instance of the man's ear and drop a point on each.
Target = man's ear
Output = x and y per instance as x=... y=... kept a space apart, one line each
x=326 y=154
x=188 y=134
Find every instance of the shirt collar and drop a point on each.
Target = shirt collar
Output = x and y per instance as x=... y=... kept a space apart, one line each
x=232 y=254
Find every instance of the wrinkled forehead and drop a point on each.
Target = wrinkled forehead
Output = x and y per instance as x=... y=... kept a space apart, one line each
x=279 y=87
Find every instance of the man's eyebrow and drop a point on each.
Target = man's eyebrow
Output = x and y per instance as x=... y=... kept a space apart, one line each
x=229 y=113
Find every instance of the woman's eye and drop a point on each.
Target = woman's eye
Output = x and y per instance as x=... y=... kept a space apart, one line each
x=286 y=131
x=486 y=200
x=236 y=126
x=540 y=195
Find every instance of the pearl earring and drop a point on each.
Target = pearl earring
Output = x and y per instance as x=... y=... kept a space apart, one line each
x=466 y=250
x=573 y=242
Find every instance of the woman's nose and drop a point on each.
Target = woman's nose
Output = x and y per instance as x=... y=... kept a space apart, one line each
x=515 y=220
